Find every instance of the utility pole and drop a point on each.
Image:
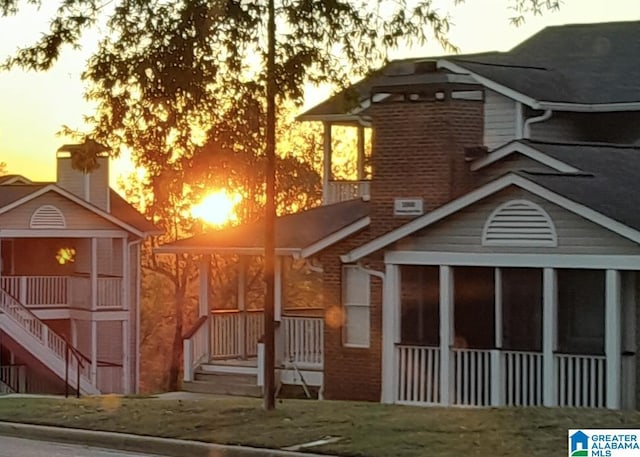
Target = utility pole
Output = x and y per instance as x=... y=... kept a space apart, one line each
x=270 y=216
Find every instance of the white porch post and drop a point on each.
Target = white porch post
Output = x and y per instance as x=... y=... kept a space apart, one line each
x=242 y=305
x=278 y=289
x=203 y=274
x=361 y=155
x=94 y=352
x=446 y=333
x=326 y=162
x=126 y=369
x=549 y=336
x=629 y=303
x=390 y=332
x=94 y=306
x=612 y=339
x=126 y=279
x=497 y=391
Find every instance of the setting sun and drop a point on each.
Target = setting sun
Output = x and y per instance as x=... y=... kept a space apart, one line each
x=217 y=208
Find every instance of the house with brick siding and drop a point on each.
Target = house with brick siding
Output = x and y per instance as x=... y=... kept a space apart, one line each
x=69 y=282
x=488 y=251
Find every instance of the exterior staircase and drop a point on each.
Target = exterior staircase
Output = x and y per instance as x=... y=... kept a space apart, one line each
x=207 y=379
x=52 y=350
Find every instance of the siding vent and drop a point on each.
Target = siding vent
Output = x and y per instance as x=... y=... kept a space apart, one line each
x=47 y=217
x=519 y=223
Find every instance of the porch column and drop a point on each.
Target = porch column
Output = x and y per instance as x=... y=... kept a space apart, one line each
x=326 y=162
x=242 y=305
x=94 y=352
x=126 y=369
x=94 y=306
x=203 y=274
x=278 y=290
x=361 y=155
x=390 y=331
x=549 y=336
x=497 y=390
x=126 y=280
x=612 y=339
x=446 y=333
x=93 y=274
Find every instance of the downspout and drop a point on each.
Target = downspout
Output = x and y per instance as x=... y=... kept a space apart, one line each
x=534 y=120
x=138 y=311
x=369 y=271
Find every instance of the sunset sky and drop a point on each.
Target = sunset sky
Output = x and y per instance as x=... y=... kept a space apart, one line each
x=34 y=106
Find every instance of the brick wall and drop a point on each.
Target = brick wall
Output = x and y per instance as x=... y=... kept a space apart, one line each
x=418 y=151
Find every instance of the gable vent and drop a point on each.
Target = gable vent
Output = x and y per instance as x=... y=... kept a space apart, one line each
x=46 y=217
x=519 y=223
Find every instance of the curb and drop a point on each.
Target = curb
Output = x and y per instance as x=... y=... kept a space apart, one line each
x=137 y=443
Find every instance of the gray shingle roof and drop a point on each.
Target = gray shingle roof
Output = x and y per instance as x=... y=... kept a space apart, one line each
x=609 y=182
x=579 y=63
x=293 y=231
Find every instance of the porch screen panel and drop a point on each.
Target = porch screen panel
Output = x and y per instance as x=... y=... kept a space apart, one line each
x=522 y=308
x=474 y=307
x=581 y=303
x=420 y=315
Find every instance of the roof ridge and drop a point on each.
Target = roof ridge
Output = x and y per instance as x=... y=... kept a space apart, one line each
x=504 y=65
x=585 y=143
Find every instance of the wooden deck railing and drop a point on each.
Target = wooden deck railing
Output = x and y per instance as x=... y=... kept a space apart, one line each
x=478 y=380
x=340 y=191
x=63 y=291
x=581 y=380
x=303 y=342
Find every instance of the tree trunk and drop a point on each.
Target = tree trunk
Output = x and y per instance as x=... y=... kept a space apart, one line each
x=176 y=347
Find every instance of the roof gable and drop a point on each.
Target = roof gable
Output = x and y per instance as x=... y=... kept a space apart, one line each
x=14 y=196
x=631 y=232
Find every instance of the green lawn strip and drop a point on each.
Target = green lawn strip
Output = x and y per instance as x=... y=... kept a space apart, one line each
x=367 y=429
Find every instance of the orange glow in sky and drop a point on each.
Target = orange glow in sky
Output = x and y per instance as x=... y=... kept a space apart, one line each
x=217 y=208
x=36 y=105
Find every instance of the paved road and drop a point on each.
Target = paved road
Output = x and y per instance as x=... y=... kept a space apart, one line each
x=18 y=447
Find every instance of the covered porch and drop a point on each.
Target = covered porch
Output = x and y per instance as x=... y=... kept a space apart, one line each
x=507 y=329
x=226 y=337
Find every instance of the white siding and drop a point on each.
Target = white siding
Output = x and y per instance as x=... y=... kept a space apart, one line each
x=75 y=181
x=76 y=217
x=462 y=232
x=499 y=120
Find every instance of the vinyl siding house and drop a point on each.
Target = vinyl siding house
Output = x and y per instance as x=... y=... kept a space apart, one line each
x=493 y=256
x=69 y=283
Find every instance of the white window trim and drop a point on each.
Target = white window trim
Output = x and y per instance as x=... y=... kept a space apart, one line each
x=366 y=305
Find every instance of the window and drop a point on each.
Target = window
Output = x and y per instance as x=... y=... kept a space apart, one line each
x=355 y=299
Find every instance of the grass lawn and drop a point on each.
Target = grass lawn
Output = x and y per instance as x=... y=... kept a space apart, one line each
x=366 y=429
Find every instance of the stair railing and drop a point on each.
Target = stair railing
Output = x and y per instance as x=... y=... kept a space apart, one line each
x=29 y=322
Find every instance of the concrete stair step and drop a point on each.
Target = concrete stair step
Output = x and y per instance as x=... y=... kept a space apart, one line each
x=205 y=387
x=225 y=378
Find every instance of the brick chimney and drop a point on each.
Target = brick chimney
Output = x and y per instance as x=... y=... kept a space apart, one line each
x=420 y=135
x=92 y=186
